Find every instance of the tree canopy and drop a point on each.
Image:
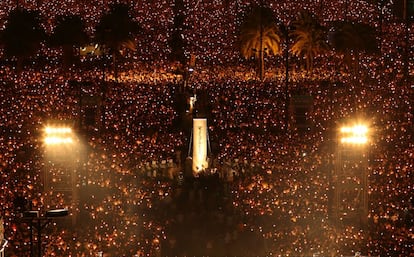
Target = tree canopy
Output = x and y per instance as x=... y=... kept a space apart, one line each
x=259 y=26
x=117 y=29
x=69 y=30
x=259 y=36
x=351 y=39
x=309 y=38
x=23 y=34
x=353 y=36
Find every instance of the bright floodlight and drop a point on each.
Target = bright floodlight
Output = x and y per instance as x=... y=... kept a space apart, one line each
x=58 y=135
x=357 y=134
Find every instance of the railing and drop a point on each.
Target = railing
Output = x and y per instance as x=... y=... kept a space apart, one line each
x=2 y=247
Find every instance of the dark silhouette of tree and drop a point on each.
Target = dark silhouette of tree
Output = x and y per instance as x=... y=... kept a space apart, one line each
x=117 y=30
x=23 y=35
x=309 y=38
x=68 y=34
x=351 y=39
x=259 y=36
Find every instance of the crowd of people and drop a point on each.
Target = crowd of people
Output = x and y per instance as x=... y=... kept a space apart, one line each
x=269 y=186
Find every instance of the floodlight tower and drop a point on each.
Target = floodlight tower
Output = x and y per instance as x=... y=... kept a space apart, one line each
x=61 y=163
x=350 y=180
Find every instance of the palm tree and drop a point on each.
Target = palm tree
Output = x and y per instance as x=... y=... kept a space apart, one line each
x=258 y=36
x=69 y=33
x=309 y=38
x=351 y=39
x=116 y=30
x=23 y=35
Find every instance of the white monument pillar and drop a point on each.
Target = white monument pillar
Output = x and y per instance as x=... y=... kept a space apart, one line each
x=199 y=145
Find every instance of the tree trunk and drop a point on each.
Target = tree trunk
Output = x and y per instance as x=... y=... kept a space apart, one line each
x=19 y=64
x=67 y=56
x=347 y=60
x=356 y=63
x=261 y=65
x=308 y=63
x=115 y=65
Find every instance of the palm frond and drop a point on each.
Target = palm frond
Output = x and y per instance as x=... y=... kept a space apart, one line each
x=256 y=29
